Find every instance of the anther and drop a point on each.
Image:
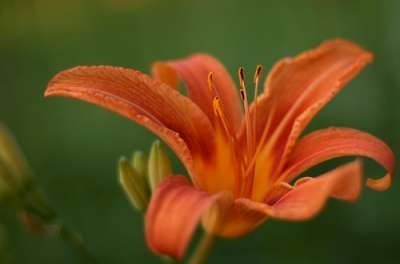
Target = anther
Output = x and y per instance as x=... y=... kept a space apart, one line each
x=242 y=83
x=242 y=94
x=257 y=75
x=242 y=78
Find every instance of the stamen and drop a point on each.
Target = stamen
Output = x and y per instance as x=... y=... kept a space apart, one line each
x=251 y=128
x=243 y=95
x=257 y=75
x=241 y=77
x=256 y=80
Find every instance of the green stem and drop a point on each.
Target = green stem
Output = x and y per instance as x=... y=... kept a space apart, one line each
x=203 y=249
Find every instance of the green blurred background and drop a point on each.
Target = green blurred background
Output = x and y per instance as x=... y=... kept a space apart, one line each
x=73 y=146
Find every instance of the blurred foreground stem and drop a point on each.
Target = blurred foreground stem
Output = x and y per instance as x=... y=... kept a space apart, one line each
x=35 y=205
x=75 y=241
x=203 y=249
x=19 y=187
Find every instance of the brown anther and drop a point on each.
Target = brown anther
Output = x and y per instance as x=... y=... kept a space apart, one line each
x=257 y=74
x=242 y=94
x=241 y=77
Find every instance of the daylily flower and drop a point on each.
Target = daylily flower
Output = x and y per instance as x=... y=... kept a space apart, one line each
x=242 y=158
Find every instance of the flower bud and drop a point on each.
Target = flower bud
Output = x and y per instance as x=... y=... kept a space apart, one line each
x=139 y=163
x=134 y=184
x=159 y=166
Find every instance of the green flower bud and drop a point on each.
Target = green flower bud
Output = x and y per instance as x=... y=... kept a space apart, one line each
x=159 y=166
x=139 y=162
x=134 y=184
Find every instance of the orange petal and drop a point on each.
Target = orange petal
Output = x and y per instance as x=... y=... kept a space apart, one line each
x=236 y=219
x=300 y=203
x=297 y=88
x=307 y=199
x=171 y=116
x=331 y=143
x=173 y=214
x=194 y=72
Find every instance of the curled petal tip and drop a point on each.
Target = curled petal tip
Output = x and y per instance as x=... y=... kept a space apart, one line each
x=48 y=92
x=325 y=144
x=52 y=88
x=381 y=184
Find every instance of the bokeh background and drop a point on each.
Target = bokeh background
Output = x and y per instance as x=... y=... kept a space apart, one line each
x=73 y=146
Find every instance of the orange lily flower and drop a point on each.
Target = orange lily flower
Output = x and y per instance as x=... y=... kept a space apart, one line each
x=240 y=162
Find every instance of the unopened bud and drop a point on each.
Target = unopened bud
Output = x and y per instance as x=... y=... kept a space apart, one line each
x=139 y=162
x=134 y=184
x=159 y=166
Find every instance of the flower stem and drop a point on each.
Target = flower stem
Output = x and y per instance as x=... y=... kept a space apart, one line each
x=203 y=249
